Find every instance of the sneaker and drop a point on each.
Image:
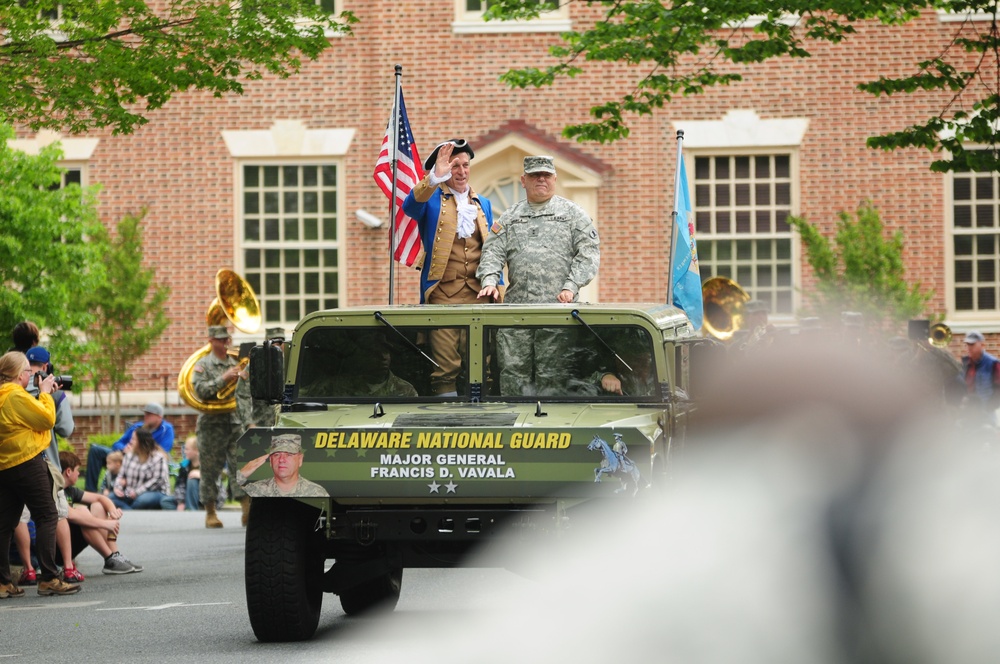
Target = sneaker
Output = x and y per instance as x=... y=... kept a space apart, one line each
x=116 y=564
x=9 y=590
x=72 y=575
x=57 y=586
x=28 y=578
x=135 y=568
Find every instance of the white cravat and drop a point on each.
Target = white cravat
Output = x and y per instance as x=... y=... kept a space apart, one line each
x=466 y=214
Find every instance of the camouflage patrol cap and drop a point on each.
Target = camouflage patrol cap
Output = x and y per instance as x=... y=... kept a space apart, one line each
x=274 y=334
x=286 y=442
x=539 y=165
x=218 y=332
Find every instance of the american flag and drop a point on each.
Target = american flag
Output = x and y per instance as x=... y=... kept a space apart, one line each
x=409 y=172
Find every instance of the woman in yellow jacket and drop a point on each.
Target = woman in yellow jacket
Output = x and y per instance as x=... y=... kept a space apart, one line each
x=25 y=425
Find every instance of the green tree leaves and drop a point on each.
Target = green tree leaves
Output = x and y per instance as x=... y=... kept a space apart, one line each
x=128 y=308
x=682 y=48
x=860 y=270
x=47 y=261
x=108 y=63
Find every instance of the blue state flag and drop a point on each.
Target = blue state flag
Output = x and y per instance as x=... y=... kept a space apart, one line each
x=686 y=276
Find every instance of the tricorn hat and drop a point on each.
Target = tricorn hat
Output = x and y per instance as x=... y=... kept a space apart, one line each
x=461 y=145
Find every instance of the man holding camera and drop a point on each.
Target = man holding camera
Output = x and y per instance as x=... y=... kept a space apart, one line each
x=38 y=361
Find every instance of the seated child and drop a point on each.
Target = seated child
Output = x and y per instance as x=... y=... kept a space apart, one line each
x=97 y=526
x=114 y=462
x=189 y=477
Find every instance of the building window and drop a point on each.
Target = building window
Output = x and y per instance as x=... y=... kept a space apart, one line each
x=291 y=238
x=503 y=193
x=741 y=205
x=976 y=238
x=70 y=175
x=469 y=18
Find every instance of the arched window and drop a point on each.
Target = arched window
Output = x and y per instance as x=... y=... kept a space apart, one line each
x=503 y=193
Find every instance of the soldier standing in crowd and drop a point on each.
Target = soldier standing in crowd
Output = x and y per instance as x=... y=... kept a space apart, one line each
x=285 y=455
x=453 y=221
x=258 y=412
x=217 y=432
x=551 y=250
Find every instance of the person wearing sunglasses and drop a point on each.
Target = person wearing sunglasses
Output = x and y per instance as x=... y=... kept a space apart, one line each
x=453 y=221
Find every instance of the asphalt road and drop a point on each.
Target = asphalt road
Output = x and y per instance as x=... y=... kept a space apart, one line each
x=189 y=605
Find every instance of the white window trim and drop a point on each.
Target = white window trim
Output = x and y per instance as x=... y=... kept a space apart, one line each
x=741 y=129
x=74 y=149
x=952 y=17
x=467 y=22
x=289 y=142
x=288 y=138
x=986 y=322
x=337 y=9
x=744 y=132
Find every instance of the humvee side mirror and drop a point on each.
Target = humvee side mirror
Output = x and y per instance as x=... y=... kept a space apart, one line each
x=267 y=373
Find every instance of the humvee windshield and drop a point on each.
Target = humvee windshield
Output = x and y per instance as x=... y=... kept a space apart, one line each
x=514 y=363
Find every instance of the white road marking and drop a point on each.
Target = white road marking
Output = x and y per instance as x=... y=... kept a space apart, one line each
x=48 y=607
x=174 y=605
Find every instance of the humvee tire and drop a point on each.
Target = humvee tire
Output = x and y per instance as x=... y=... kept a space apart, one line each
x=284 y=570
x=378 y=594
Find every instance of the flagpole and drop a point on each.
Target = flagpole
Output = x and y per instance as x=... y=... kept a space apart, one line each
x=395 y=176
x=673 y=218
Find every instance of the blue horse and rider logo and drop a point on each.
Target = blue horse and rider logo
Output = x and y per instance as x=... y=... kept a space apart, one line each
x=616 y=463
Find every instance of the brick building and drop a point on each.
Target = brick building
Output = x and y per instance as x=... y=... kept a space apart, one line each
x=270 y=183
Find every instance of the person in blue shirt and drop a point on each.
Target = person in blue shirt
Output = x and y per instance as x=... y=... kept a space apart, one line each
x=152 y=420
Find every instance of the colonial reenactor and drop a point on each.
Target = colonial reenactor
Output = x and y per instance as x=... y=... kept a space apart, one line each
x=285 y=456
x=551 y=250
x=217 y=432
x=453 y=221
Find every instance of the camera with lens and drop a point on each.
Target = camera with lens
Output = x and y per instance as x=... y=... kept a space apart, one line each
x=62 y=382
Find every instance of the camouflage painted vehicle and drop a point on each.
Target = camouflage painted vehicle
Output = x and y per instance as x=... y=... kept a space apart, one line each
x=393 y=476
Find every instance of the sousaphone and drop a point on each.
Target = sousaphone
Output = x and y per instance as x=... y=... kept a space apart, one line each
x=723 y=301
x=235 y=303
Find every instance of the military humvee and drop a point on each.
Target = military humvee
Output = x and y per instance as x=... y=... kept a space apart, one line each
x=393 y=476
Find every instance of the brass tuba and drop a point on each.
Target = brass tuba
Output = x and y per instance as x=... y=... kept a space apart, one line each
x=723 y=301
x=939 y=335
x=235 y=303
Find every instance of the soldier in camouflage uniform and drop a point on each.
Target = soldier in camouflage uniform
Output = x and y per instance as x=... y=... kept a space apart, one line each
x=257 y=412
x=285 y=455
x=217 y=432
x=551 y=250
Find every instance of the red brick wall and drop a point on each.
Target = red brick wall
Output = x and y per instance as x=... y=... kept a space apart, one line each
x=178 y=167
